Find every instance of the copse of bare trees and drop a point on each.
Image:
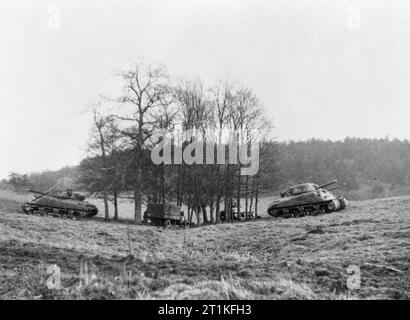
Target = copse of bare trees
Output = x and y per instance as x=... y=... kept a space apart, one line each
x=122 y=141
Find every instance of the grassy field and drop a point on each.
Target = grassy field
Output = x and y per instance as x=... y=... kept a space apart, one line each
x=304 y=258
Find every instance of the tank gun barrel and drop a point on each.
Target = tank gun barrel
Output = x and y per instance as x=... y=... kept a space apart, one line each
x=327 y=184
x=43 y=193
x=333 y=188
x=37 y=192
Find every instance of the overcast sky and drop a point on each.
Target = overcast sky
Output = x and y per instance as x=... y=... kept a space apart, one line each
x=324 y=69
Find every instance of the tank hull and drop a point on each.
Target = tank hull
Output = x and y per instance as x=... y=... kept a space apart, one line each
x=47 y=205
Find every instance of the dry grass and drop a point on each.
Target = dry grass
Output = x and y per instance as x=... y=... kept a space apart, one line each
x=305 y=258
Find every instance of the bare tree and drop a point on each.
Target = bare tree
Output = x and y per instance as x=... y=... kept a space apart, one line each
x=222 y=101
x=145 y=94
x=99 y=143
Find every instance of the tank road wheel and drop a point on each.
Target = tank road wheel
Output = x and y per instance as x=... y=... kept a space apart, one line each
x=77 y=215
x=54 y=213
x=70 y=214
x=286 y=214
x=167 y=223
x=42 y=212
x=82 y=215
x=312 y=211
x=60 y=213
x=300 y=212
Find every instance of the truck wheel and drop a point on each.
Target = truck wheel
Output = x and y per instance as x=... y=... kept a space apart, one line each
x=167 y=223
x=222 y=216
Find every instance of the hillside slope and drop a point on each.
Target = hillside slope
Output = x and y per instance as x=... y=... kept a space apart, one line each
x=305 y=258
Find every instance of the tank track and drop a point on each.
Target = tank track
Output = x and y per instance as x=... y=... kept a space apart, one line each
x=307 y=210
x=57 y=212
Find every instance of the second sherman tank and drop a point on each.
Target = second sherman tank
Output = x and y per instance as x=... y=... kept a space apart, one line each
x=306 y=199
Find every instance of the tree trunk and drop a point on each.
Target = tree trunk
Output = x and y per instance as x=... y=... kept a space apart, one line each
x=179 y=200
x=99 y=126
x=218 y=197
x=137 y=194
x=106 y=208
x=218 y=183
x=115 y=206
x=252 y=194
x=231 y=193
x=228 y=194
x=238 y=195
x=197 y=199
x=198 y=220
x=163 y=184
x=137 y=206
x=256 y=195
x=211 y=212
x=189 y=214
x=204 y=214
x=246 y=197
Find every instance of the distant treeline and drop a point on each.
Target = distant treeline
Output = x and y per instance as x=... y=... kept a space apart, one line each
x=365 y=168
x=40 y=181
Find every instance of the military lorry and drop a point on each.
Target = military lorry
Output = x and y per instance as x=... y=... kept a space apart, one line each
x=167 y=214
x=60 y=204
x=306 y=199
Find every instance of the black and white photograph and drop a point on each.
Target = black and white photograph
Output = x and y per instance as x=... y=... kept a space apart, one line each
x=224 y=151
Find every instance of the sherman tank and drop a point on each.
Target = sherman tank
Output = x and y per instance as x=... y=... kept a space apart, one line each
x=65 y=204
x=307 y=199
